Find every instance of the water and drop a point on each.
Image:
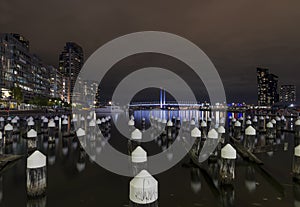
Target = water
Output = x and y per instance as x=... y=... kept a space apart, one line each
x=74 y=180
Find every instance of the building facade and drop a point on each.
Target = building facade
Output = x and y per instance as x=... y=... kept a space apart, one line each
x=288 y=94
x=70 y=63
x=267 y=85
x=20 y=68
x=56 y=83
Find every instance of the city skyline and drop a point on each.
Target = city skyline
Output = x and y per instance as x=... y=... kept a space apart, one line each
x=242 y=37
x=71 y=60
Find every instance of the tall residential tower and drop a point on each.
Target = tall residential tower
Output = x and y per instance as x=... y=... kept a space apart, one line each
x=288 y=94
x=267 y=85
x=70 y=63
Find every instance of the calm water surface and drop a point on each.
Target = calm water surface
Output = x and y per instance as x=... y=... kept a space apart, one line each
x=74 y=180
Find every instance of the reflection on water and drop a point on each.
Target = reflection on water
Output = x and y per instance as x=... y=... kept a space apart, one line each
x=75 y=180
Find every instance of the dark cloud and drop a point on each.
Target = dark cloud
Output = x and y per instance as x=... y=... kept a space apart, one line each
x=237 y=35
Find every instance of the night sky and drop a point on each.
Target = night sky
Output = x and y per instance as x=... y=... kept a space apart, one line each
x=238 y=36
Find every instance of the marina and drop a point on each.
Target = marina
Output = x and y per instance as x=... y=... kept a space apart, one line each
x=258 y=180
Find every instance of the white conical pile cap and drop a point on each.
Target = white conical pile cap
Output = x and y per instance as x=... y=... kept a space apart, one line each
x=107 y=118
x=267 y=117
x=221 y=130
x=212 y=134
x=8 y=127
x=282 y=117
x=88 y=117
x=14 y=121
x=80 y=132
x=297 y=151
x=65 y=122
x=9 y=118
x=237 y=124
x=103 y=120
x=143 y=119
x=30 y=123
x=143 y=188
x=159 y=120
x=98 y=121
x=248 y=117
x=56 y=118
x=131 y=122
x=139 y=155
x=209 y=119
x=250 y=131
x=1 y=119
x=273 y=121
x=262 y=118
x=82 y=118
x=269 y=125
x=178 y=118
x=36 y=160
x=241 y=118
x=42 y=117
x=203 y=124
x=31 y=133
x=45 y=120
x=297 y=123
x=63 y=116
x=234 y=120
x=74 y=119
x=222 y=121
x=136 y=134
x=196 y=132
x=230 y=117
x=170 y=123
x=248 y=122
x=254 y=119
x=184 y=120
x=228 y=152
x=92 y=123
x=132 y=117
x=192 y=122
x=164 y=121
x=51 y=124
x=277 y=118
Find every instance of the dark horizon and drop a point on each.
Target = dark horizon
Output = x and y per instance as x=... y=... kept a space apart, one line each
x=237 y=36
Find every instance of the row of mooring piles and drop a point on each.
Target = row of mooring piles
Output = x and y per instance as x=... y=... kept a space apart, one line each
x=210 y=138
x=93 y=139
x=143 y=188
x=217 y=144
x=259 y=123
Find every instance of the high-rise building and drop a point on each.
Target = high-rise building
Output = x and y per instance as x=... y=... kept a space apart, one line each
x=267 y=85
x=20 y=68
x=272 y=95
x=56 y=83
x=70 y=63
x=288 y=94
